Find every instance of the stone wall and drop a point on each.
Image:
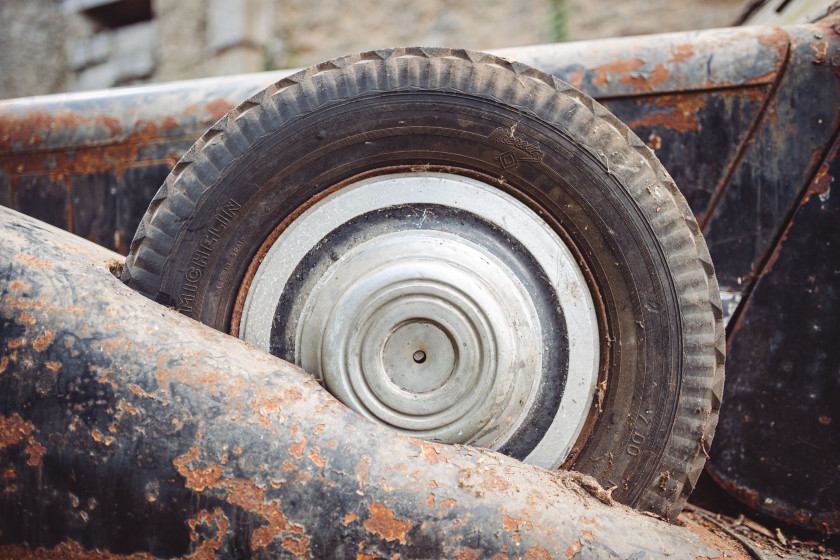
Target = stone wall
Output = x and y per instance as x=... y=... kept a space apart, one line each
x=49 y=46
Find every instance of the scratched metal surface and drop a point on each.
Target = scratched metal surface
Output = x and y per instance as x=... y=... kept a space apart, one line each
x=128 y=430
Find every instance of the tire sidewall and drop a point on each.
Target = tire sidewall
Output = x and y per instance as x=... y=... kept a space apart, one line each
x=571 y=186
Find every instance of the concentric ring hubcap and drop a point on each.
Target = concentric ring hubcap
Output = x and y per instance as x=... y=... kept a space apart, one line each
x=438 y=305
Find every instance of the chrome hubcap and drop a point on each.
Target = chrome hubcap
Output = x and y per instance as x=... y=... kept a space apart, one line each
x=437 y=305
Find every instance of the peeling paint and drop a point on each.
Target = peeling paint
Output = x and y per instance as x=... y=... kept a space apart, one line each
x=681 y=53
x=296 y=449
x=573 y=550
x=34 y=452
x=646 y=81
x=681 y=118
x=820 y=52
x=42 y=342
x=383 y=523
x=605 y=72
x=13 y=430
x=537 y=553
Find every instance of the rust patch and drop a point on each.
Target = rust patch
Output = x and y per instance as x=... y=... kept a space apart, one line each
x=207 y=549
x=602 y=77
x=264 y=407
x=103 y=378
x=33 y=261
x=248 y=496
x=349 y=518
x=641 y=82
x=17 y=286
x=200 y=478
x=681 y=118
x=124 y=406
x=574 y=549
x=587 y=536
x=112 y=124
x=243 y=493
x=538 y=553
x=217 y=109
x=13 y=429
x=825 y=420
x=468 y=554
x=511 y=523
x=168 y=124
x=15 y=343
x=96 y=435
x=26 y=318
x=42 y=342
x=54 y=366
x=576 y=79
x=383 y=523
x=25 y=129
x=316 y=458
x=296 y=546
x=821 y=185
x=448 y=503
x=820 y=52
x=35 y=451
x=66 y=551
x=296 y=449
x=654 y=141
x=58 y=166
x=430 y=500
x=492 y=481
x=430 y=452
x=362 y=469
x=681 y=53
x=515 y=523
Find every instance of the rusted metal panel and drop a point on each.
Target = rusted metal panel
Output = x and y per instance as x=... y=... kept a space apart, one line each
x=777 y=446
x=128 y=430
x=665 y=63
x=82 y=161
x=795 y=129
x=694 y=134
x=87 y=141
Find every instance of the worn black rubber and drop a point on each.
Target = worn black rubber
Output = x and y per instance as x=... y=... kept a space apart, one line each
x=538 y=138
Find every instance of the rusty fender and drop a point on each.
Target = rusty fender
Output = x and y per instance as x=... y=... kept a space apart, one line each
x=128 y=430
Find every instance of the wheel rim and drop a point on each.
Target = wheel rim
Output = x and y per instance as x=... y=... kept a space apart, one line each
x=438 y=305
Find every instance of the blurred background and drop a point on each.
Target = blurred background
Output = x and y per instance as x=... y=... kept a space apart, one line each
x=51 y=46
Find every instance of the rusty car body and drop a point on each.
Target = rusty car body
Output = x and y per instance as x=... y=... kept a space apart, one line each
x=746 y=120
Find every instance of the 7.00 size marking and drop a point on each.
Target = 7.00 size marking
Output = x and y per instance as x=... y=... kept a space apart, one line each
x=637 y=439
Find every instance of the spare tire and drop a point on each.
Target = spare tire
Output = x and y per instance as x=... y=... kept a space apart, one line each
x=461 y=247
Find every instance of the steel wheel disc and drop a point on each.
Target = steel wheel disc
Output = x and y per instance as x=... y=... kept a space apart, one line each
x=438 y=305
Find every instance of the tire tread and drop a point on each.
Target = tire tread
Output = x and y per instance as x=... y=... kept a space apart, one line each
x=526 y=89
